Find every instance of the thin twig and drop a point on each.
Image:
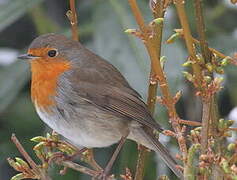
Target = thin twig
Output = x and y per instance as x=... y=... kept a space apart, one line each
x=207 y=104
x=152 y=90
x=210 y=112
x=206 y=117
x=218 y=53
x=72 y=16
x=158 y=76
x=201 y=31
x=77 y=167
x=233 y=129
x=33 y=165
x=188 y=38
x=23 y=152
x=190 y=123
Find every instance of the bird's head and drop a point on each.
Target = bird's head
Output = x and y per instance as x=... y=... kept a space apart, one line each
x=50 y=55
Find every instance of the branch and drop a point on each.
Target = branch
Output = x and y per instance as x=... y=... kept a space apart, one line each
x=72 y=16
x=77 y=167
x=39 y=172
x=207 y=104
x=42 y=174
x=219 y=54
x=188 y=39
x=201 y=31
x=210 y=112
x=157 y=76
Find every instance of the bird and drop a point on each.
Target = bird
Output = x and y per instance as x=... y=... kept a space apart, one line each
x=87 y=100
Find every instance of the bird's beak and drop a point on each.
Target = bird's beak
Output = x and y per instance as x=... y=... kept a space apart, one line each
x=27 y=56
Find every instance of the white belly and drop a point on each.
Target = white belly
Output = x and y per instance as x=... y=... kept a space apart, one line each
x=78 y=135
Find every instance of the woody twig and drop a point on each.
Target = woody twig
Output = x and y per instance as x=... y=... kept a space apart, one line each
x=72 y=16
x=35 y=171
x=151 y=37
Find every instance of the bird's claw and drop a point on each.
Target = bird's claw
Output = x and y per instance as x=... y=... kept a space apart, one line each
x=56 y=156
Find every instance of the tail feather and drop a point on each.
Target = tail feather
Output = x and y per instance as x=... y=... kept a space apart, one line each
x=164 y=153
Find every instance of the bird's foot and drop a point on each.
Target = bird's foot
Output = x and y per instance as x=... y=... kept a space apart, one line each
x=56 y=156
x=77 y=153
x=63 y=157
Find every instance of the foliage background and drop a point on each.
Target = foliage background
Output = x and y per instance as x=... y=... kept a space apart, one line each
x=101 y=25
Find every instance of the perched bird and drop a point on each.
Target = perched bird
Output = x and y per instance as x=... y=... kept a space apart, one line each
x=87 y=100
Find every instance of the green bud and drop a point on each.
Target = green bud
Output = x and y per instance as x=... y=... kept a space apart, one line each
x=66 y=149
x=198 y=129
x=173 y=38
x=38 y=139
x=22 y=163
x=219 y=70
x=231 y=147
x=197 y=132
x=200 y=59
x=224 y=164
x=130 y=31
x=45 y=165
x=163 y=59
x=188 y=76
x=221 y=124
x=197 y=146
x=48 y=136
x=192 y=132
x=39 y=154
x=14 y=164
x=17 y=166
x=55 y=137
x=225 y=61
x=163 y=177
x=158 y=21
x=11 y=161
x=187 y=63
x=230 y=122
x=39 y=146
x=219 y=80
x=207 y=79
x=209 y=67
x=18 y=177
x=202 y=170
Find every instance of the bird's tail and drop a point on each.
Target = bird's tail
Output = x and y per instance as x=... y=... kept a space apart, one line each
x=164 y=153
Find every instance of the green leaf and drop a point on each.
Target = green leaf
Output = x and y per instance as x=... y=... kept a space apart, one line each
x=13 y=10
x=12 y=79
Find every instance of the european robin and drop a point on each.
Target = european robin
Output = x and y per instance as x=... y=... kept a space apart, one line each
x=87 y=100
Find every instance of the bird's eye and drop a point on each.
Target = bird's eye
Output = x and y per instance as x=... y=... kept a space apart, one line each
x=52 y=53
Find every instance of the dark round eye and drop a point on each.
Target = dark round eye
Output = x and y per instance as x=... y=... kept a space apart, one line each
x=52 y=53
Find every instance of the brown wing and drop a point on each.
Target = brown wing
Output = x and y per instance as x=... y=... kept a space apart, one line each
x=101 y=84
x=118 y=101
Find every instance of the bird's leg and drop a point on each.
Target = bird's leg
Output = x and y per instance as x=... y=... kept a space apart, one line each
x=62 y=156
x=77 y=153
x=108 y=167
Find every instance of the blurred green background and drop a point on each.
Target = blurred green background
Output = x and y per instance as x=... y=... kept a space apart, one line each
x=102 y=24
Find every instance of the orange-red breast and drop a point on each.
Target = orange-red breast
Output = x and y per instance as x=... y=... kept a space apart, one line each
x=86 y=99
